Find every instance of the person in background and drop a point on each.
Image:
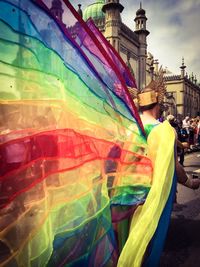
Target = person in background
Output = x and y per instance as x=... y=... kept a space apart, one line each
x=198 y=133
x=181 y=137
x=186 y=123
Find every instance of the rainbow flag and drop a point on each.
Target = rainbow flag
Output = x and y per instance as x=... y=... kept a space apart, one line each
x=73 y=154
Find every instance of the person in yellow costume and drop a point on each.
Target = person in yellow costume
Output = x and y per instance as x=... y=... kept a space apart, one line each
x=150 y=222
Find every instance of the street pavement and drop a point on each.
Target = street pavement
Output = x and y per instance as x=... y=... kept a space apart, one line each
x=182 y=247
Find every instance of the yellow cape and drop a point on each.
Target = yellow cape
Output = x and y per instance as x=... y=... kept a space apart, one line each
x=145 y=220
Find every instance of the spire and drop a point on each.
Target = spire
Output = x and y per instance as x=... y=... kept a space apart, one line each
x=182 y=67
x=140 y=20
x=151 y=71
x=156 y=63
x=195 y=79
x=192 y=77
x=112 y=5
x=112 y=10
x=140 y=11
x=142 y=32
x=80 y=11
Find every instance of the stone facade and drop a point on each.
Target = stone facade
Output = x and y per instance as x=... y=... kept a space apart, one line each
x=183 y=96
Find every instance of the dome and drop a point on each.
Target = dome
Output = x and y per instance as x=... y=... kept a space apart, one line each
x=140 y=11
x=94 y=10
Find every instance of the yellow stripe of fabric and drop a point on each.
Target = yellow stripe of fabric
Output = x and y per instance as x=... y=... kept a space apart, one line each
x=145 y=220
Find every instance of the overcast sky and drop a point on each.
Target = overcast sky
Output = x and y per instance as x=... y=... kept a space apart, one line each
x=174 y=30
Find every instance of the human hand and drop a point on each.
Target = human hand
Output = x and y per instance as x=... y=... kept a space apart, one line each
x=185 y=145
x=195 y=183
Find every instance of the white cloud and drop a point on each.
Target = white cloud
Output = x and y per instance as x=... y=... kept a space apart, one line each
x=174 y=32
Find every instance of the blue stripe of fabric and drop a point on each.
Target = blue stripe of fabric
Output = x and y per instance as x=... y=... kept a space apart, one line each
x=158 y=240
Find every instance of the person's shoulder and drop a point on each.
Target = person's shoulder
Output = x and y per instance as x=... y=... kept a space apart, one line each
x=164 y=127
x=162 y=134
x=148 y=120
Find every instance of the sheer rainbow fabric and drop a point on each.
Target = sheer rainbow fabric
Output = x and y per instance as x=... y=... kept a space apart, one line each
x=73 y=154
x=124 y=70
x=70 y=147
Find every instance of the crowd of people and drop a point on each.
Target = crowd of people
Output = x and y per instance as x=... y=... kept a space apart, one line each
x=188 y=134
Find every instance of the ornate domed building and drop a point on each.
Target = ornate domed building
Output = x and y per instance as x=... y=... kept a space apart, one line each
x=94 y=11
x=130 y=44
x=183 y=92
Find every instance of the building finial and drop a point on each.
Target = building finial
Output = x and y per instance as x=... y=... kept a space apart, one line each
x=183 y=64
x=192 y=77
x=140 y=5
x=182 y=67
x=195 y=79
x=79 y=10
x=182 y=61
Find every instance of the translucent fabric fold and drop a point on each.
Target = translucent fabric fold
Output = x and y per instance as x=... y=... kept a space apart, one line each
x=124 y=70
x=74 y=164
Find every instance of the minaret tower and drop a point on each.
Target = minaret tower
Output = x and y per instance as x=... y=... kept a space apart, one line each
x=140 y=29
x=80 y=12
x=112 y=10
x=182 y=67
x=56 y=9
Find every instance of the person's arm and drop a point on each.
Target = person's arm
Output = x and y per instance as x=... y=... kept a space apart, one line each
x=183 y=178
x=180 y=145
x=198 y=130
